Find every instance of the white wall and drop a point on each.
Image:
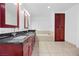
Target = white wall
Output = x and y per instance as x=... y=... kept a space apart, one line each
x=72 y=25
x=41 y=23
x=21 y=19
x=6 y=30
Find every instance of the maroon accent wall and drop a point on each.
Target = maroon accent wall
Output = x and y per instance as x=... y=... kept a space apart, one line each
x=2 y=17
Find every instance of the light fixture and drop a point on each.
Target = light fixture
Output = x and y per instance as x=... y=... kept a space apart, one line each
x=48 y=6
x=27 y=12
x=20 y=3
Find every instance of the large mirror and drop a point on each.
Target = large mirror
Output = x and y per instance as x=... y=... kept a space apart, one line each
x=11 y=14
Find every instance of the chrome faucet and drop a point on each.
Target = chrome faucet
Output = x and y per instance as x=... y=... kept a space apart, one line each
x=14 y=34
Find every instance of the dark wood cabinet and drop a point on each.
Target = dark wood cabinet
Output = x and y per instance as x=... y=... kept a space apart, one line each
x=31 y=44
x=10 y=49
x=3 y=17
x=25 y=48
x=59 y=26
x=18 y=49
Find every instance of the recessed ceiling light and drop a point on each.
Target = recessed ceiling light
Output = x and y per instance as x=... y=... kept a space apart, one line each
x=27 y=12
x=48 y=6
x=20 y=3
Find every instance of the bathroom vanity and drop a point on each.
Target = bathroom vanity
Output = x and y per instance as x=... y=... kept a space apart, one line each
x=19 y=45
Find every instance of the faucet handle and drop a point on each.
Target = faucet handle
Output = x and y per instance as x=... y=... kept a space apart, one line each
x=14 y=34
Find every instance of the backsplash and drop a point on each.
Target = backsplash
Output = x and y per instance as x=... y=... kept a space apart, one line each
x=8 y=30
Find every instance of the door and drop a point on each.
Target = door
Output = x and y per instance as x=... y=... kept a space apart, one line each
x=59 y=26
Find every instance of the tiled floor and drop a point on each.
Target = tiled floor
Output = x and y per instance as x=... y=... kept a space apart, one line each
x=45 y=46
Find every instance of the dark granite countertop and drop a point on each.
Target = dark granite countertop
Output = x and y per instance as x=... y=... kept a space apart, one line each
x=20 y=38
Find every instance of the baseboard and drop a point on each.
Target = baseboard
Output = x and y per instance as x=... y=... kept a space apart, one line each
x=71 y=43
x=59 y=40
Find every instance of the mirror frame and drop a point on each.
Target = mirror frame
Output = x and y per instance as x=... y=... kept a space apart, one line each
x=25 y=20
x=2 y=15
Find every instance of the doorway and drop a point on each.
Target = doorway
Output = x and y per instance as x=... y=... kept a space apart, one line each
x=59 y=26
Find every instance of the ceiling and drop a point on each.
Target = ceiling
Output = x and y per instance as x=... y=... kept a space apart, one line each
x=41 y=9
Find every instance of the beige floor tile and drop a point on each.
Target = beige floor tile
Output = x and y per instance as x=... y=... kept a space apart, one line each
x=44 y=54
x=45 y=46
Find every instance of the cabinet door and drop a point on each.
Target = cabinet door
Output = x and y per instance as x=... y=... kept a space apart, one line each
x=30 y=48
x=11 y=49
x=59 y=26
x=30 y=45
x=25 y=48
